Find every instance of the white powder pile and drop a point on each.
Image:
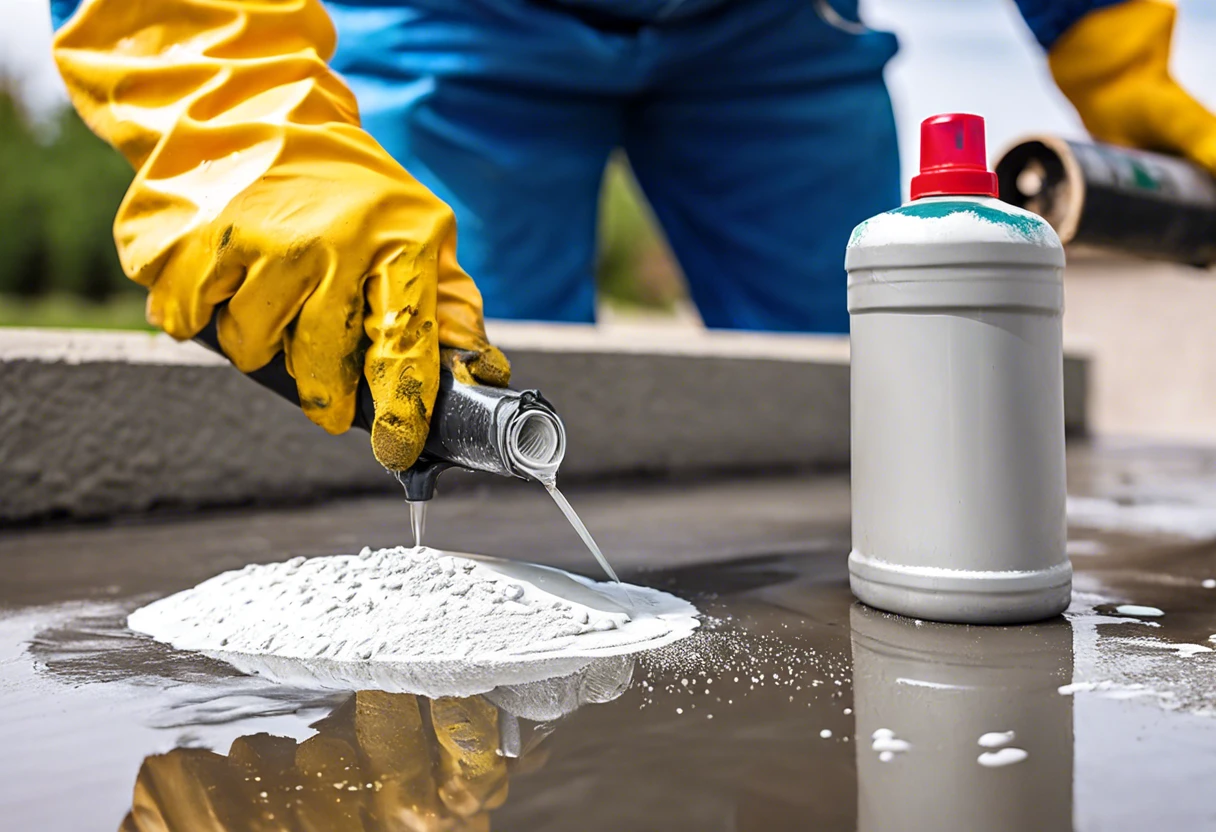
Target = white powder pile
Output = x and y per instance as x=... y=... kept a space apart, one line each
x=442 y=613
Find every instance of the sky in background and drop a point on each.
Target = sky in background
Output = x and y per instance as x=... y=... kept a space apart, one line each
x=956 y=55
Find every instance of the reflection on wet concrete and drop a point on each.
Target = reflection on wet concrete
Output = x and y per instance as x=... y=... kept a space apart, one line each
x=942 y=689
x=379 y=761
x=775 y=715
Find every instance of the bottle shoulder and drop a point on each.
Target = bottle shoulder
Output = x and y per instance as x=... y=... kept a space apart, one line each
x=943 y=221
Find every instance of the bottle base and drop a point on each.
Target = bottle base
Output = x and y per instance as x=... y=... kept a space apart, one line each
x=959 y=596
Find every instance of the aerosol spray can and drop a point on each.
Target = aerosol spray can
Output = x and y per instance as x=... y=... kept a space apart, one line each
x=956 y=301
x=1114 y=198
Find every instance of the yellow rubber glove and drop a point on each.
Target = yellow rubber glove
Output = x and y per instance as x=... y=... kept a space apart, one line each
x=255 y=185
x=1113 y=65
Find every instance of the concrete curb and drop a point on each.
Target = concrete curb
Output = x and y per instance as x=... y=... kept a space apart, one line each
x=95 y=424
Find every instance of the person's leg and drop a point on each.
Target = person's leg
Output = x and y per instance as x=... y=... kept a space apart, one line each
x=768 y=135
x=500 y=109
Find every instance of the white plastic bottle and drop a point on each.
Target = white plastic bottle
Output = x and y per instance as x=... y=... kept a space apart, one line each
x=956 y=301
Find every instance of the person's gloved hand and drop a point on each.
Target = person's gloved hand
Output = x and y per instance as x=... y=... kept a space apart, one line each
x=1113 y=65
x=255 y=185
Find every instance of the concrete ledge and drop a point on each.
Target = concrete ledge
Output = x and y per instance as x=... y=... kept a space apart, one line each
x=94 y=424
x=647 y=400
x=97 y=424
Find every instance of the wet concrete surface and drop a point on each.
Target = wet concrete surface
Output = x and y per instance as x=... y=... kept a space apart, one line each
x=792 y=707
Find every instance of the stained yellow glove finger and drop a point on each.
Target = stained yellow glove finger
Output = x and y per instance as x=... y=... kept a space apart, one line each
x=486 y=366
x=251 y=327
x=472 y=774
x=1113 y=65
x=323 y=349
x=402 y=363
x=188 y=789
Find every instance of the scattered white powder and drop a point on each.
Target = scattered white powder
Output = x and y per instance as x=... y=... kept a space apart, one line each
x=826 y=733
x=1109 y=689
x=1182 y=650
x=1126 y=662
x=429 y=612
x=1003 y=757
x=995 y=739
x=1188 y=650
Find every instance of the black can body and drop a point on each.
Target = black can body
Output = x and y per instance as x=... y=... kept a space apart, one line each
x=1114 y=198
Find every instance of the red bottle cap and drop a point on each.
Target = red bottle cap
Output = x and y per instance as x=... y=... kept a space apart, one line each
x=953 y=160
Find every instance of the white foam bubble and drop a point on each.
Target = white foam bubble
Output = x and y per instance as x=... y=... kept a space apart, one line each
x=1138 y=611
x=995 y=739
x=1003 y=757
x=884 y=741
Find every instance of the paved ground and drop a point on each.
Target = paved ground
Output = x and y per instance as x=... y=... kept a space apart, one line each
x=763 y=720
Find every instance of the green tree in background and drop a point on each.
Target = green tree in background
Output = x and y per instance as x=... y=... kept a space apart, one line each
x=59 y=189
x=634 y=267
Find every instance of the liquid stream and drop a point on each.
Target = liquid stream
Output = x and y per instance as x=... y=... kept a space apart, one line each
x=417 y=520
x=577 y=523
x=418 y=525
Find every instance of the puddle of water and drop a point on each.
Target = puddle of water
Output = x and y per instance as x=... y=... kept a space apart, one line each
x=776 y=714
